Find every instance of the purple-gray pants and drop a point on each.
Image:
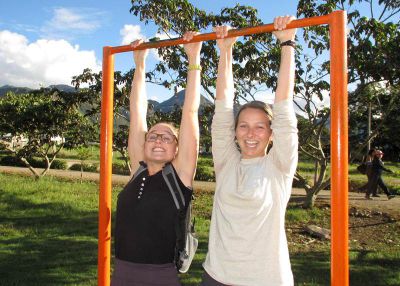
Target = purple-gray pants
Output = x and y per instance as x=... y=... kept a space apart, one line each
x=136 y=274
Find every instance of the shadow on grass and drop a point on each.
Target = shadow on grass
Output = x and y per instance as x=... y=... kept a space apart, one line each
x=367 y=268
x=311 y=268
x=375 y=268
x=46 y=243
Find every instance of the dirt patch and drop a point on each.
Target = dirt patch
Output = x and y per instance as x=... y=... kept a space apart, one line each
x=368 y=230
x=373 y=228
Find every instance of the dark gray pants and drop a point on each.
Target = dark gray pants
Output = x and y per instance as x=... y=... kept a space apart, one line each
x=135 y=274
x=373 y=184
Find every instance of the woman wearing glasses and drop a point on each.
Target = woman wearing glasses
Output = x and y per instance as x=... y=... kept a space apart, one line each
x=145 y=232
x=247 y=241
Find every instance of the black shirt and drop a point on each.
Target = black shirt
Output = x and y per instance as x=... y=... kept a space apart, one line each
x=145 y=221
x=378 y=166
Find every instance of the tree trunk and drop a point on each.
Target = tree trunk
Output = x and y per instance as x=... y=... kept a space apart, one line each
x=36 y=174
x=127 y=163
x=81 y=172
x=311 y=197
x=48 y=165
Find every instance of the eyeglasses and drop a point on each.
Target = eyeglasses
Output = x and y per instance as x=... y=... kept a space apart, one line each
x=165 y=138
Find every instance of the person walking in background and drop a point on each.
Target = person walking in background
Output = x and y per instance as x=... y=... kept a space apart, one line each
x=146 y=219
x=247 y=241
x=376 y=180
x=368 y=169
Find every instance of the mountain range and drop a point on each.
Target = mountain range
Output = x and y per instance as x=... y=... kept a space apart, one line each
x=165 y=106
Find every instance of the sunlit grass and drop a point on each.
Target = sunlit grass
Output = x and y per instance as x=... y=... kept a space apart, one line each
x=48 y=236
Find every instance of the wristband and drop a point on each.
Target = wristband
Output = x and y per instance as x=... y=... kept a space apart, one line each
x=194 y=67
x=289 y=43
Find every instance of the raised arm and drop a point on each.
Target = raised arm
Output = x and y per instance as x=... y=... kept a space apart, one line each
x=222 y=129
x=287 y=67
x=225 y=87
x=186 y=160
x=138 y=109
x=284 y=152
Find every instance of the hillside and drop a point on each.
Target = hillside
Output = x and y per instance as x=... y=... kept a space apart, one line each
x=20 y=90
x=17 y=90
x=165 y=106
x=177 y=100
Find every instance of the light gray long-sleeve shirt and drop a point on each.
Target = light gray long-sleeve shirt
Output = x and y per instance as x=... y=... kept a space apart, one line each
x=247 y=241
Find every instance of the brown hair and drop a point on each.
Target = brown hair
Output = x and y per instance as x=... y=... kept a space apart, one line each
x=256 y=104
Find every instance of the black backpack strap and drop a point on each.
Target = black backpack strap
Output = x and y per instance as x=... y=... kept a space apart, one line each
x=141 y=169
x=183 y=225
x=173 y=186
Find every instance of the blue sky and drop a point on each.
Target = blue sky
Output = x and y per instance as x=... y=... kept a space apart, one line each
x=49 y=41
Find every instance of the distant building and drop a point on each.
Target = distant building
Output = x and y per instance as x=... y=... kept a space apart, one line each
x=16 y=142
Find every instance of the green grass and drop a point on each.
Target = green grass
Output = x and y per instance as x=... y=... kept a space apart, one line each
x=48 y=236
x=296 y=214
x=94 y=153
x=47 y=232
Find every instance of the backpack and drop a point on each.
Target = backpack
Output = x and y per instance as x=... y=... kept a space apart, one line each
x=186 y=241
x=362 y=168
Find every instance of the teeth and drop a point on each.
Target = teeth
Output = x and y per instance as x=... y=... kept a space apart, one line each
x=158 y=149
x=250 y=143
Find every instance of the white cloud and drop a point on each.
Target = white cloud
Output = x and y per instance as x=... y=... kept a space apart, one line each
x=161 y=36
x=316 y=105
x=41 y=63
x=164 y=36
x=69 y=22
x=154 y=97
x=130 y=33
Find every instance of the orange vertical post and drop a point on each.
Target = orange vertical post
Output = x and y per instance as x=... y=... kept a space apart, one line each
x=106 y=133
x=339 y=150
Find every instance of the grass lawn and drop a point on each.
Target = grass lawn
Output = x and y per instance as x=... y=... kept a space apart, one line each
x=48 y=236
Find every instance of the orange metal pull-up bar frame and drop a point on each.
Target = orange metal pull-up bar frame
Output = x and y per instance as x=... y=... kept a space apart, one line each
x=337 y=22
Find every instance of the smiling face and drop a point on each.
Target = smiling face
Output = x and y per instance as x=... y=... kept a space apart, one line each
x=157 y=147
x=253 y=132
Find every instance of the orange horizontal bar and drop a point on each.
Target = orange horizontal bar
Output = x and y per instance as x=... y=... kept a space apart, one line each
x=300 y=23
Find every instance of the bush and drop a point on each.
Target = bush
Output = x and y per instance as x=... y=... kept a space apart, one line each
x=86 y=167
x=204 y=173
x=59 y=165
x=40 y=163
x=205 y=161
x=11 y=161
x=120 y=169
x=35 y=163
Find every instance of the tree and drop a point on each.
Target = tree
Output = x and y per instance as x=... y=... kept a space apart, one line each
x=256 y=64
x=373 y=56
x=383 y=100
x=256 y=57
x=40 y=117
x=83 y=154
x=372 y=42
